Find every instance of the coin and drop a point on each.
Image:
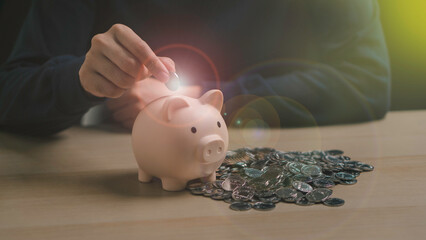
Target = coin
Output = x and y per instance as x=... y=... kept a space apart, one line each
x=344 y=176
x=302 y=178
x=348 y=182
x=240 y=206
x=319 y=195
x=323 y=183
x=334 y=202
x=285 y=192
x=295 y=167
x=266 y=176
x=263 y=206
x=366 y=167
x=303 y=201
x=252 y=172
x=218 y=183
x=273 y=199
x=232 y=182
x=311 y=170
x=334 y=152
x=217 y=194
x=301 y=186
x=293 y=197
x=197 y=191
x=243 y=193
x=195 y=185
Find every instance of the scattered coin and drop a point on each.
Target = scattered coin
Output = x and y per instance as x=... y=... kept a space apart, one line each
x=323 y=183
x=293 y=197
x=334 y=202
x=253 y=172
x=301 y=186
x=286 y=192
x=243 y=193
x=303 y=201
x=344 y=176
x=319 y=195
x=261 y=177
x=240 y=206
x=264 y=206
x=348 y=182
x=311 y=170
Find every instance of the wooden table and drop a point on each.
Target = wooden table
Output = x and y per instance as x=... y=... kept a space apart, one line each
x=83 y=184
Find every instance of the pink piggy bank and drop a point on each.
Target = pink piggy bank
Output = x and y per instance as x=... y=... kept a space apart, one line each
x=178 y=138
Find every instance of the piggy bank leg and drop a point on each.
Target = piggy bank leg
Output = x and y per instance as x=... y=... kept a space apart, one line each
x=143 y=176
x=209 y=178
x=173 y=184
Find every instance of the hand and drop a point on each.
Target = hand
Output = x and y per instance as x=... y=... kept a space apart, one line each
x=126 y=108
x=117 y=59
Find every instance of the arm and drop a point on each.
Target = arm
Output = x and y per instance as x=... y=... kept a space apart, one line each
x=40 y=91
x=349 y=82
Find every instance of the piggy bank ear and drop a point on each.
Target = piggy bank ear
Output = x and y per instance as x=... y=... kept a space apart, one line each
x=173 y=104
x=214 y=98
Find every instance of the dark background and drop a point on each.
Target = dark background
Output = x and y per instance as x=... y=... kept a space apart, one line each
x=403 y=25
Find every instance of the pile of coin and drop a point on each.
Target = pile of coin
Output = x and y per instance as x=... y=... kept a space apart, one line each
x=261 y=177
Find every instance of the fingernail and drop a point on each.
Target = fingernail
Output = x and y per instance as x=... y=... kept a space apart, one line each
x=163 y=76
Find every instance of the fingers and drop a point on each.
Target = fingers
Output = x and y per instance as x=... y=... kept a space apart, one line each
x=169 y=63
x=113 y=73
x=100 y=86
x=140 y=49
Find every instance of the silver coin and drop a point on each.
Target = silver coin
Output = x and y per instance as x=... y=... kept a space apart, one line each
x=262 y=206
x=264 y=194
x=195 y=185
x=243 y=193
x=344 y=176
x=366 y=167
x=273 y=199
x=323 y=183
x=293 y=197
x=197 y=191
x=319 y=195
x=302 y=178
x=252 y=172
x=285 y=192
x=301 y=186
x=217 y=196
x=303 y=201
x=218 y=183
x=228 y=200
x=334 y=152
x=334 y=202
x=232 y=182
x=240 y=206
x=348 y=182
x=295 y=167
x=311 y=170
x=174 y=82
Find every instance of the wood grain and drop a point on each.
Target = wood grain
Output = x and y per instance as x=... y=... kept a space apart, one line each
x=82 y=184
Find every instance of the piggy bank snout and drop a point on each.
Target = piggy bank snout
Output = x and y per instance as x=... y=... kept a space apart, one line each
x=212 y=148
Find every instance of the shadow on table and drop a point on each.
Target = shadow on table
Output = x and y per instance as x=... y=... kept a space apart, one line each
x=127 y=184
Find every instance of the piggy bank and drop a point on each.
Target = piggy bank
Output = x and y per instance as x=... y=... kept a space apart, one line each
x=178 y=138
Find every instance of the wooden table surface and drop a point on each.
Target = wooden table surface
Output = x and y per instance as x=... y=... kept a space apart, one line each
x=83 y=184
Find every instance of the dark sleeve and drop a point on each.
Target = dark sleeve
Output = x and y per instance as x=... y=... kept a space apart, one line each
x=348 y=82
x=40 y=91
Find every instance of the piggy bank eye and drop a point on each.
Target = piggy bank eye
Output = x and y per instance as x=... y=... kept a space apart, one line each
x=218 y=124
x=193 y=130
